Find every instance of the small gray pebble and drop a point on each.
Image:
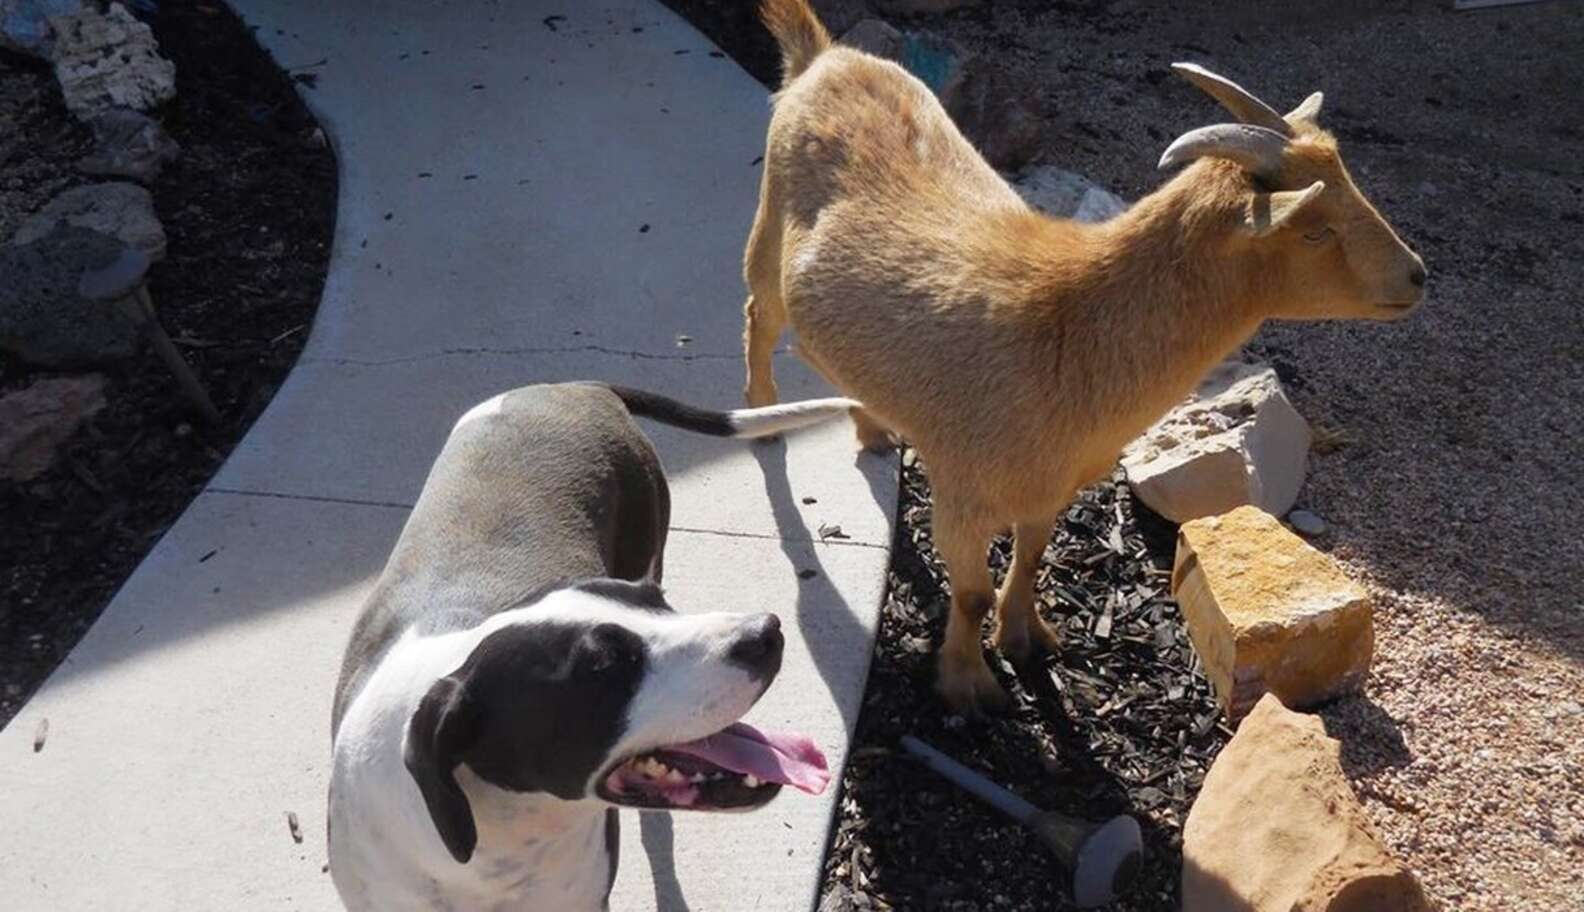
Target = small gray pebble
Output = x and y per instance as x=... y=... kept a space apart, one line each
x=1306 y=523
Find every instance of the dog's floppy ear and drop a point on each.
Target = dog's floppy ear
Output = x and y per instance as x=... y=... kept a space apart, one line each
x=443 y=727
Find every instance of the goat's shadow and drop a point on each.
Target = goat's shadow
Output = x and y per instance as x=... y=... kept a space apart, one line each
x=656 y=832
x=825 y=619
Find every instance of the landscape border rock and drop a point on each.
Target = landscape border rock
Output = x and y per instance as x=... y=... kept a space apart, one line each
x=1235 y=440
x=128 y=143
x=995 y=113
x=43 y=320
x=839 y=16
x=1269 y=613
x=1277 y=828
x=117 y=208
x=109 y=60
x=25 y=24
x=877 y=37
x=1065 y=194
x=37 y=419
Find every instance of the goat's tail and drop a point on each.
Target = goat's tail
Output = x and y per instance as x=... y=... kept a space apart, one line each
x=799 y=33
x=749 y=422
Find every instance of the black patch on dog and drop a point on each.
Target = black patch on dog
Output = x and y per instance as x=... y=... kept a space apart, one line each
x=535 y=708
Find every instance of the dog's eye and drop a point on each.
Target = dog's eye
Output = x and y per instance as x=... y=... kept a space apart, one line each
x=607 y=647
x=1318 y=235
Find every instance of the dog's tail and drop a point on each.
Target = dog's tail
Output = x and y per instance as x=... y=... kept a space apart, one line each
x=799 y=33
x=749 y=422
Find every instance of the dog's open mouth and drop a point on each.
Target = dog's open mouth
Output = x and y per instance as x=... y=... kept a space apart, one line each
x=737 y=767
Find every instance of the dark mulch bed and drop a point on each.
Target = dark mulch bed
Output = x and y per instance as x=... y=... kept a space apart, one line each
x=1121 y=722
x=248 y=209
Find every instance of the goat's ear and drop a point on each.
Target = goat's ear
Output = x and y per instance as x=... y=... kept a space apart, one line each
x=441 y=729
x=1308 y=110
x=1270 y=211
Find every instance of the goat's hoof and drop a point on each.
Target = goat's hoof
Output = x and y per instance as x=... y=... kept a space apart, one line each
x=970 y=689
x=1024 y=644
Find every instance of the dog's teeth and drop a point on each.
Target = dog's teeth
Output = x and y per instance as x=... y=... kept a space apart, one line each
x=674 y=777
x=751 y=781
x=697 y=777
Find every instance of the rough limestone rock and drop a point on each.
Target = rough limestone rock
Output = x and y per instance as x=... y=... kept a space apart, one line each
x=109 y=60
x=878 y=38
x=1276 y=828
x=1268 y=613
x=119 y=209
x=1236 y=440
x=25 y=24
x=43 y=320
x=37 y=419
x=128 y=144
x=1067 y=195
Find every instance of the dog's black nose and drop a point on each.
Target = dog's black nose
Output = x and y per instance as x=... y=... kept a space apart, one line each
x=758 y=645
x=1418 y=276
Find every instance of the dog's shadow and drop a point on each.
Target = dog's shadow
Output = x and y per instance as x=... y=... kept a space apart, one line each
x=826 y=621
x=656 y=832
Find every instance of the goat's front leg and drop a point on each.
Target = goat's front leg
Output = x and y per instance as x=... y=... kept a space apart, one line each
x=963 y=679
x=1020 y=632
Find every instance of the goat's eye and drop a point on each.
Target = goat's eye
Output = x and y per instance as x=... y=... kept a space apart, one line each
x=1318 y=235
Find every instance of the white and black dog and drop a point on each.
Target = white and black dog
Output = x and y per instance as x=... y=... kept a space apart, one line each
x=516 y=673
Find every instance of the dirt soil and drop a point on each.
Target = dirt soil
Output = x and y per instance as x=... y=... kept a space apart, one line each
x=1447 y=461
x=248 y=209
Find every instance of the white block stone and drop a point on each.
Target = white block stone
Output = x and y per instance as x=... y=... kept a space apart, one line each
x=1236 y=440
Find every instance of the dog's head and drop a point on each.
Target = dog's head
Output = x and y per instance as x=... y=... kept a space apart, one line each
x=601 y=691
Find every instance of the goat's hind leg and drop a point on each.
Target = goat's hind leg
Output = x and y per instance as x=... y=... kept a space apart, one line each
x=764 y=314
x=1021 y=634
x=872 y=434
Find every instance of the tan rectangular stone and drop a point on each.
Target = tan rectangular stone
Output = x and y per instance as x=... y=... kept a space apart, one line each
x=1268 y=613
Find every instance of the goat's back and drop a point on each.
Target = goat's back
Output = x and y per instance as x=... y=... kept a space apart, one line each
x=859 y=129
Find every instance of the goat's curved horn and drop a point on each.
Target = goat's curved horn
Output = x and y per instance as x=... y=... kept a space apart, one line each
x=1257 y=149
x=1240 y=101
x=1308 y=110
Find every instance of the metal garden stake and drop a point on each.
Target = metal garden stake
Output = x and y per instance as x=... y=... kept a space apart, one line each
x=121 y=282
x=1103 y=857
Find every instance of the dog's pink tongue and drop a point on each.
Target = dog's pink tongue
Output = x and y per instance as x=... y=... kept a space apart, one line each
x=785 y=758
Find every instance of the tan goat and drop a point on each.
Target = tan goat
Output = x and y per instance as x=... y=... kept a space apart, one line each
x=1019 y=352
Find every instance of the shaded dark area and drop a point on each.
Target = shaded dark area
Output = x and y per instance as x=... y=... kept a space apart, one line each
x=248 y=210
x=1121 y=722
x=735 y=27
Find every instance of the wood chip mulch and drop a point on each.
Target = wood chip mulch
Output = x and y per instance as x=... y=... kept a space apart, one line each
x=1123 y=721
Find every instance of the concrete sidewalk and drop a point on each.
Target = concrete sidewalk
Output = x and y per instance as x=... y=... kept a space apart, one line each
x=530 y=192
